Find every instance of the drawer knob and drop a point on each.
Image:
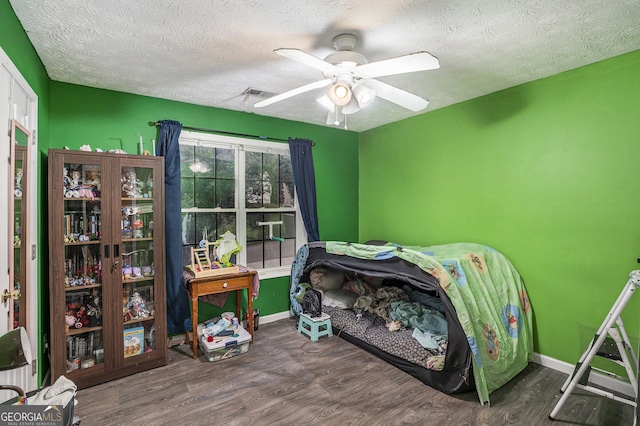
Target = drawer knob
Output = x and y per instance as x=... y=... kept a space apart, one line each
x=225 y=285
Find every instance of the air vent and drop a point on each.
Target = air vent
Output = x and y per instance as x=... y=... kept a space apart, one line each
x=257 y=93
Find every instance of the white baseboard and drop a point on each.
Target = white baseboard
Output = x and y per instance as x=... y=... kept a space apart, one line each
x=596 y=378
x=274 y=317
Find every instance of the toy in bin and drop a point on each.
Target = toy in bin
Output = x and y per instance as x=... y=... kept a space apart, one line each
x=212 y=329
x=218 y=347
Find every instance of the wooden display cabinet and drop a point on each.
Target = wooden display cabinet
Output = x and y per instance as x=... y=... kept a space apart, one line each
x=106 y=265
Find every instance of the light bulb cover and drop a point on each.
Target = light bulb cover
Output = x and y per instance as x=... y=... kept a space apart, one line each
x=365 y=95
x=351 y=108
x=326 y=102
x=340 y=93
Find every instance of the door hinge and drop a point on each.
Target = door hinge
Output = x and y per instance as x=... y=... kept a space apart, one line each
x=34 y=367
x=34 y=251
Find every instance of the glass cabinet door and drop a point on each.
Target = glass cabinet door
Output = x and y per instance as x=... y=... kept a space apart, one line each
x=83 y=278
x=138 y=215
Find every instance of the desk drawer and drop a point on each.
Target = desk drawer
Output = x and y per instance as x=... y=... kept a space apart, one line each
x=234 y=283
x=222 y=285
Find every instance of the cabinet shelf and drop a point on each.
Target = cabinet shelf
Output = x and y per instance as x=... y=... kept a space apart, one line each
x=136 y=240
x=138 y=320
x=137 y=280
x=110 y=216
x=130 y=200
x=82 y=287
x=81 y=330
x=82 y=243
x=91 y=200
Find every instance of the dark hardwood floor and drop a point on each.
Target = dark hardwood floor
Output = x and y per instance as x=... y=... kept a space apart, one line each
x=285 y=379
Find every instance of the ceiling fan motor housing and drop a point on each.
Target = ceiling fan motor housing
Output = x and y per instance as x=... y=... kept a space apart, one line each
x=344 y=41
x=345 y=57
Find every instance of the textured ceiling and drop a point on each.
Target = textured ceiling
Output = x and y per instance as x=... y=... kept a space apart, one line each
x=209 y=52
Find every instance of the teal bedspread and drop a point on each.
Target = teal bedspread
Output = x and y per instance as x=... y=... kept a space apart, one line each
x=489 y=297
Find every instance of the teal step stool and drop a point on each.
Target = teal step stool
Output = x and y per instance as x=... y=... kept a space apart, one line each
x=315 y=327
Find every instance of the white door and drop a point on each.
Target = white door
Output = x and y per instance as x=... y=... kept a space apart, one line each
x=18 y=101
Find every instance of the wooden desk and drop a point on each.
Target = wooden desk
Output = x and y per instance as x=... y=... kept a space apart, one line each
x=220 y=284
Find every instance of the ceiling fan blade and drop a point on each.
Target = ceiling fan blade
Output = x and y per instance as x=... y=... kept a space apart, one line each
x=398 y=96
x=308 y=59
x=294 y=92
x=419 y=61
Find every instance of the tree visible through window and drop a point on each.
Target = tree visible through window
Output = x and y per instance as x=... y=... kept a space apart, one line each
x=245 y=187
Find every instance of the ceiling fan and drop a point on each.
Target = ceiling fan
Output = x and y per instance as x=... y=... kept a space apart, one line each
x=352 y=79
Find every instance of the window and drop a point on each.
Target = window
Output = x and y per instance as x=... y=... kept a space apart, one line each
x=246 y=187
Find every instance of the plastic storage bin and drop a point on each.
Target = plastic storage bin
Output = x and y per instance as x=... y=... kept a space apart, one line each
x=225 y=347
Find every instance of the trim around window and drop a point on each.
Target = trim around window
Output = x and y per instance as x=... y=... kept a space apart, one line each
x=247 y=145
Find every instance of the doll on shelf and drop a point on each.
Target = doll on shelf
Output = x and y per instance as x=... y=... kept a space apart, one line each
x=92 y=181
x=78 y=189
x=72 y=184
x=137 y=306
x=130 y=187
x=75 y=178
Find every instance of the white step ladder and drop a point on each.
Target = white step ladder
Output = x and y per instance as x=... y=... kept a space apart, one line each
x=611 y=342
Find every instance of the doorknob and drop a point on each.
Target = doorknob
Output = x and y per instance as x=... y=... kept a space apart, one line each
x=6 y=295
x=114 y=266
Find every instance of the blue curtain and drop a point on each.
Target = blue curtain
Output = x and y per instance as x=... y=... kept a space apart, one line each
x=305 y=180
x=178 y=308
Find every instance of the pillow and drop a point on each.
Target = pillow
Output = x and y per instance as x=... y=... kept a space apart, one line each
x=340 y=298
x=326 y=278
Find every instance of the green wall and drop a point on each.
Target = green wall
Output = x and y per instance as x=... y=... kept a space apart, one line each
x=107 y=119
x=546 y=172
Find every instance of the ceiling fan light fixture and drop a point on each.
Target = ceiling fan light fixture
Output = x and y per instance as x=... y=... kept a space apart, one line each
x=326 y=102
x=352 y=80
x=340 y=93
x=352 y=107
x=364 y=95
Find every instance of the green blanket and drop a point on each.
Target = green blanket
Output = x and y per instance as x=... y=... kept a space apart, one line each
x=488 y=295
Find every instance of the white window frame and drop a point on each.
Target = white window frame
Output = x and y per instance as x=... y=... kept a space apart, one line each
x=240 y=146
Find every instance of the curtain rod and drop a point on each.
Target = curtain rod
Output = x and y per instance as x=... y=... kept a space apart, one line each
x=222 y=132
